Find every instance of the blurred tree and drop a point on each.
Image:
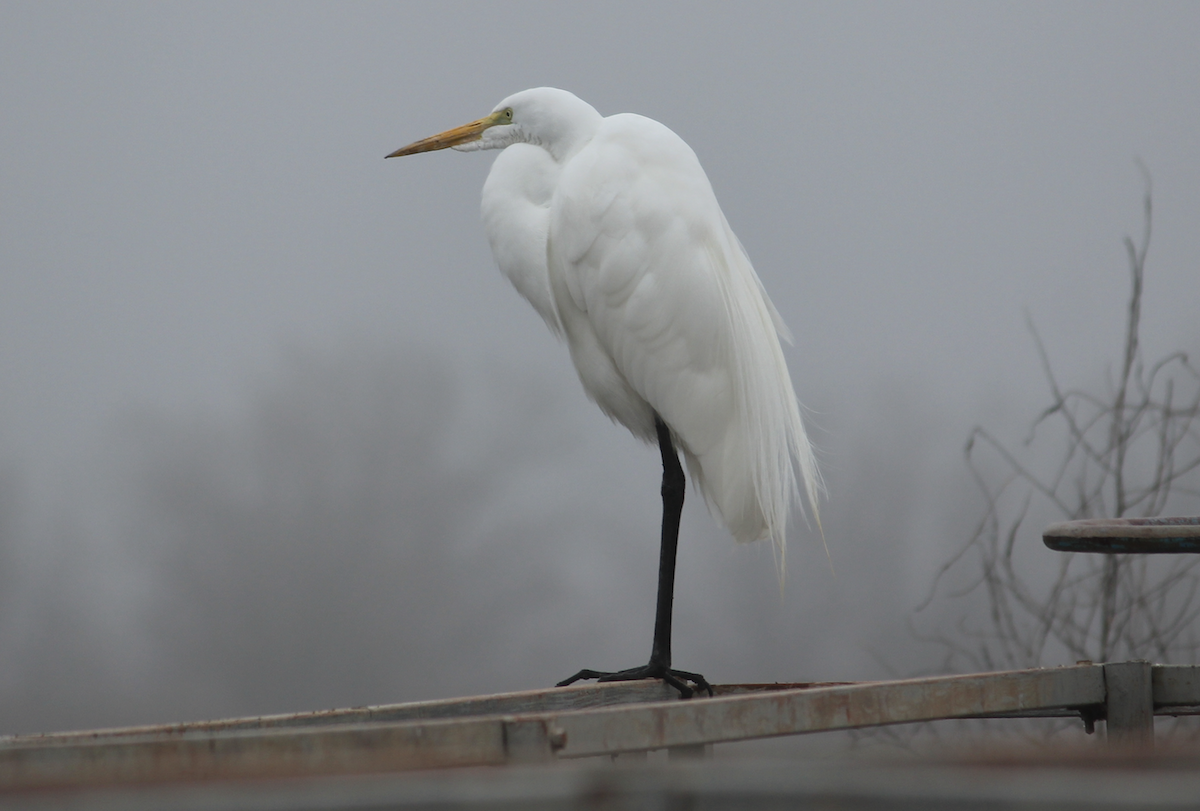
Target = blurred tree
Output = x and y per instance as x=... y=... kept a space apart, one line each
x=1130 y=450
x=366 y=525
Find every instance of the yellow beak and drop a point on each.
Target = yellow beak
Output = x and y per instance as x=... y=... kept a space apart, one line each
x=459 y=135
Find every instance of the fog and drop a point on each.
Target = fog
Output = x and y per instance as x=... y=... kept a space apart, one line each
x=275 y=435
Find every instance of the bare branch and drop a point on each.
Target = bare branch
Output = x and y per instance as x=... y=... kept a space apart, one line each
x=1133 y=448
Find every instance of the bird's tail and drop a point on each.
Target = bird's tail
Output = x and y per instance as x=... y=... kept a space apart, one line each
x=752 y=477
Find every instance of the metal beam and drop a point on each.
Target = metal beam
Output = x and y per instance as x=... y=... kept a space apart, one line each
x=278 y=750
x=1176 y=689
x=791 y=712
x=558 y=699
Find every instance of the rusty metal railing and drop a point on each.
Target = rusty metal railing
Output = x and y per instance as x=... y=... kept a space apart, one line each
x=608 y=719
x=1131 y=714
x=583 y=721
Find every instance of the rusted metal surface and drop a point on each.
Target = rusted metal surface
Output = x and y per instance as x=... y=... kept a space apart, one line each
x=790 y=712
x=1143 y=536
x=1129 y=704
x=264 y=754
x=775 y=686
x=558 y=699
x=1176 y=689
x=358 y=742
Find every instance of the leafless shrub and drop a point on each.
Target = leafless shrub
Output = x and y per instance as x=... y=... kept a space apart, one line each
x=1131 y=450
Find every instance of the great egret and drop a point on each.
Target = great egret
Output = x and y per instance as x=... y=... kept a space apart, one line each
x=610 y=229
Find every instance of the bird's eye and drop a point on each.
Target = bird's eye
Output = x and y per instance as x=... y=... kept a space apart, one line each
x=508 y=114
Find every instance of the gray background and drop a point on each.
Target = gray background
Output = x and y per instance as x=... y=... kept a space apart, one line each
x=275 y=435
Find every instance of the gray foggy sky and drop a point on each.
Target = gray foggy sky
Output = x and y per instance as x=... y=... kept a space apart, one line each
x=186 y=187
x=192 y=193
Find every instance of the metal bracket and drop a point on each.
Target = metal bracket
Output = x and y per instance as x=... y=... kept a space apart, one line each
x=1129 y=704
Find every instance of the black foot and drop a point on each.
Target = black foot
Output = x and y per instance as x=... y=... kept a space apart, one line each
x=676 y=678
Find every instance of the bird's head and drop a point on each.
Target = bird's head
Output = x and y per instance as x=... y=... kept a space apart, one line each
x=554 y=119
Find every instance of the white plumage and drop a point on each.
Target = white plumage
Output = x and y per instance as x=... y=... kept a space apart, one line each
x=610 y=228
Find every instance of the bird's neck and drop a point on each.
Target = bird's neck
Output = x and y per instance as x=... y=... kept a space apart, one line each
x=571 y=134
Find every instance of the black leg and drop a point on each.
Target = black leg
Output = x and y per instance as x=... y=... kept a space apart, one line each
x=659 y=667
x=673 y=484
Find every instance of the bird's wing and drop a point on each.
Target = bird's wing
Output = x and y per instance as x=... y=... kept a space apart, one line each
x=629 y=228
x=652 y=276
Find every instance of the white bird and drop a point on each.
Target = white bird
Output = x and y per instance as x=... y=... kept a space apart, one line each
x=609 y=227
